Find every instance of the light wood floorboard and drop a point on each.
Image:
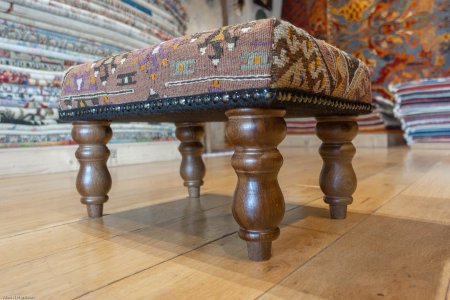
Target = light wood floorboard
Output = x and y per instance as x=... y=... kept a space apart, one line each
x=154 y=243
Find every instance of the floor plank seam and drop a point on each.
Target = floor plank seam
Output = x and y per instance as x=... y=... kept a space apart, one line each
x=347 y=232
x=155 y=265
x=103 y=239
x=42 y=228
x=172 y=258
x=67 y=223
x=447 y=294
x=397 y=194
x=309 y=260
x=100 y=239
x=318 y=253
x=328 y=232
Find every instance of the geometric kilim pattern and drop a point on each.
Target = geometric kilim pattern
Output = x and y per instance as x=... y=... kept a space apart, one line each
x=305 y=63
x=268 y=53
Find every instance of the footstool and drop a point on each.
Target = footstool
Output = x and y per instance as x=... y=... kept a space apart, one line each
x=253 y=76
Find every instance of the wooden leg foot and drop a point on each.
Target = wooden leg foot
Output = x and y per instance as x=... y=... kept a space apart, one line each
x=194 y=191
x=192 y=168
x=338 y=211
x=93 y=180
x=94 y=210
x=258 y=204
x=337 y=179
x=259 y=251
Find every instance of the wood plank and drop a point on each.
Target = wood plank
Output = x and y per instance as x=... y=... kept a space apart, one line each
x=147 y=243
x=155 y=243
x=53 y=199
x=219 y=270
x=223 y=264
x=70 y=238
x=434 y=184
x=315 y=218
x=39 y=201
x=380 y=258
x=21 y=248
x=96 y=263
x=429 y=209
x=426 y=200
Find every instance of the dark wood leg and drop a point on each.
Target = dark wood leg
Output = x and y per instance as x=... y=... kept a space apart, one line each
x=192 y=168
x=258 y=204
x=337 y=179
x=94 y=180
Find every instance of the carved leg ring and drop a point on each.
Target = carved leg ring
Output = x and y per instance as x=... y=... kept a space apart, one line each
x=94 y=180
x=192 y=168
x=258 y=204
x=337 y=179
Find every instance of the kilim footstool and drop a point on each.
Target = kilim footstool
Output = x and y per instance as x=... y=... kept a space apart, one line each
x=251 y=75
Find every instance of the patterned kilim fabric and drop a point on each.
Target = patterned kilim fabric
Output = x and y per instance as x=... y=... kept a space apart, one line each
x=270 y=62
x=399 y=40
x=311 y=15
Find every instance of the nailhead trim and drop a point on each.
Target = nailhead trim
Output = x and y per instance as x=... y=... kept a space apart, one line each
x=264 y=97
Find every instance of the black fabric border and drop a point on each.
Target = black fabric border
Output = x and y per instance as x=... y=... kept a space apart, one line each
x=296 y=102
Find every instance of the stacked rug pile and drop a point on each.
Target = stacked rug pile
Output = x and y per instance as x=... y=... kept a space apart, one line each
x=40 y=39
x=385 y=109
x=424 y=110
x=367 y=123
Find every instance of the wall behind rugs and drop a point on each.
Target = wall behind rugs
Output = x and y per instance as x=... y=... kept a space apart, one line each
x=400 y=40
x=40 y=39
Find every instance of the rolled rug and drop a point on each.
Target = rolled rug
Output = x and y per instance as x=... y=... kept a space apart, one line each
x=83 y=21
x=28 y=116
x=51 y=40
x=9 y=74
x=17 y=135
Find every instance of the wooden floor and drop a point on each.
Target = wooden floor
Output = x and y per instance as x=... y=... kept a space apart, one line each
x=156 y=244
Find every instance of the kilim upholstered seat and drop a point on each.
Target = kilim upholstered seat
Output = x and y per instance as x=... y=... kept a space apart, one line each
x=253 y=75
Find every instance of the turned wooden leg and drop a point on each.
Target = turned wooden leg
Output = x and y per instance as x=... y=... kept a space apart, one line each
x=258 y=204
x=94 y=180
x=337 y=179
x=192 y=168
